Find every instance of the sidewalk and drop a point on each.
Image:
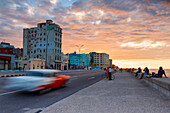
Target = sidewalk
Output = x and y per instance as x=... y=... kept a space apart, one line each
x=125 y=94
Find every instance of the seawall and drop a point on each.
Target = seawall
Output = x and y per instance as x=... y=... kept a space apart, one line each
x=161 y=84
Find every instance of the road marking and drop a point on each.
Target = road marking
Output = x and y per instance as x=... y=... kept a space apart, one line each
x=9 y=92
x=26 y=109
x=91 y=78
x=73 y=78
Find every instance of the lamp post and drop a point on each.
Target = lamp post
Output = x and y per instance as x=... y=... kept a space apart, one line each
x=79 y=46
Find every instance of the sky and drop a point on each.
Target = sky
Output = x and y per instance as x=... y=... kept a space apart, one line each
x=133 y=32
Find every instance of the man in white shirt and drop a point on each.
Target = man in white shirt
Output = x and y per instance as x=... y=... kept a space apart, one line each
x=110 y=70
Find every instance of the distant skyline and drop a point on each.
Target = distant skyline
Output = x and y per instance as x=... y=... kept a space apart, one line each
x=133 y=32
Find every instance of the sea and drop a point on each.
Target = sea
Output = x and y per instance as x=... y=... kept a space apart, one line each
x=167 y=72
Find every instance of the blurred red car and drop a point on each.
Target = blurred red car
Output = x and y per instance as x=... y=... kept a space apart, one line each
x=37 y=80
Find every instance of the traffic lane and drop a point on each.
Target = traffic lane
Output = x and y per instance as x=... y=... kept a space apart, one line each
x=72 y=71
x=72 y=74
x=73 y=77
x=20 y=102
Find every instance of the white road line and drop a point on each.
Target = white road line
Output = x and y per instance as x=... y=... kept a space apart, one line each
x=9 y=92
x=91 y=78
x=73 y=78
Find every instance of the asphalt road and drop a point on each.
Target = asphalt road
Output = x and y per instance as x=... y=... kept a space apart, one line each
x=17 y=102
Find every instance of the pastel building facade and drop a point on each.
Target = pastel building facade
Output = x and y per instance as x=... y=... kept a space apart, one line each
x=7 y=59
x=32 y=63
x=110 y=62
x=44 y=42
x=65 y=62
x=79 y=60
x=99 y=60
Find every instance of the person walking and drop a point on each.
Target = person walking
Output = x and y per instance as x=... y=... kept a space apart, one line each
x=107 y=71
x=110 y=70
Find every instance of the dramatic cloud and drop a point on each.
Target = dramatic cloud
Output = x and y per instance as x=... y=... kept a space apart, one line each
x=123 y=29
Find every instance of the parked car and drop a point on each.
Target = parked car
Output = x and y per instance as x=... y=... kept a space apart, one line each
x=37 y=80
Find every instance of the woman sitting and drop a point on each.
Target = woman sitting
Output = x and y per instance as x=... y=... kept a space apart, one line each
x=160 y=73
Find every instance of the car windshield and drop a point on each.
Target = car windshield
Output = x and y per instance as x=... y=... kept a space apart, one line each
x=38 y=74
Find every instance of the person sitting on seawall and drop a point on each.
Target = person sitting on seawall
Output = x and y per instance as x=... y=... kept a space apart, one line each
x=139 y=71
x=146 y=72
x=160 y=73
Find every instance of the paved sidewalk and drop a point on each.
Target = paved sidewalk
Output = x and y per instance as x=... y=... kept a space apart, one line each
x=125 y=94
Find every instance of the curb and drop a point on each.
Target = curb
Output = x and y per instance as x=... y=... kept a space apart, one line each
x=12 y=75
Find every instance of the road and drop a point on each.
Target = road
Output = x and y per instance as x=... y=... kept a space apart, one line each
x=17 y=102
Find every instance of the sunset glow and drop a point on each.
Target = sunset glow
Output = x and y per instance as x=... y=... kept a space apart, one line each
x=133 y=32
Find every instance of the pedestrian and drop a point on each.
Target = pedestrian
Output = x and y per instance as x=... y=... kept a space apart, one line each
x=146 y=72
x=107 y=71
x=133 y=70
x=139 y=71
x=110 y=70
x=161 y=72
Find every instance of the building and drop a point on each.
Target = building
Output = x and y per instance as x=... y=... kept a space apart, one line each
x=99 y=60
x=79 y=60
x=64 y=62
x=44 y=42
x=6 y=56
x=110 y=62
x=32 y=63
x=18 y=52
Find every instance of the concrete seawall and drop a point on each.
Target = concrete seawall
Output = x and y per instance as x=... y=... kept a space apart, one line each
x=161 y=84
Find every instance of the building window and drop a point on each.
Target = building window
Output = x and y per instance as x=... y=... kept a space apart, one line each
x=40 y=51
x=44 y=39
x=44 y=34
x=44 y=50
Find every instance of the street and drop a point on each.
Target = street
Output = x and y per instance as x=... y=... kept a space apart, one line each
x=18 y=102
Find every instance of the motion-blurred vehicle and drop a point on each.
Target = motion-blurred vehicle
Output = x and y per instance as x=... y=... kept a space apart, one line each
x=37 y=80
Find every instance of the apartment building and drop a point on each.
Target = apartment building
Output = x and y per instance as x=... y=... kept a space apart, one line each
x=44 y=42
x=79 y=60
x=99 y=60
x=110 y=62
x=6 y=56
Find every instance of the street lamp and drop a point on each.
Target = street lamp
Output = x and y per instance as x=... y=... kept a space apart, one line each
x=79 y=46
